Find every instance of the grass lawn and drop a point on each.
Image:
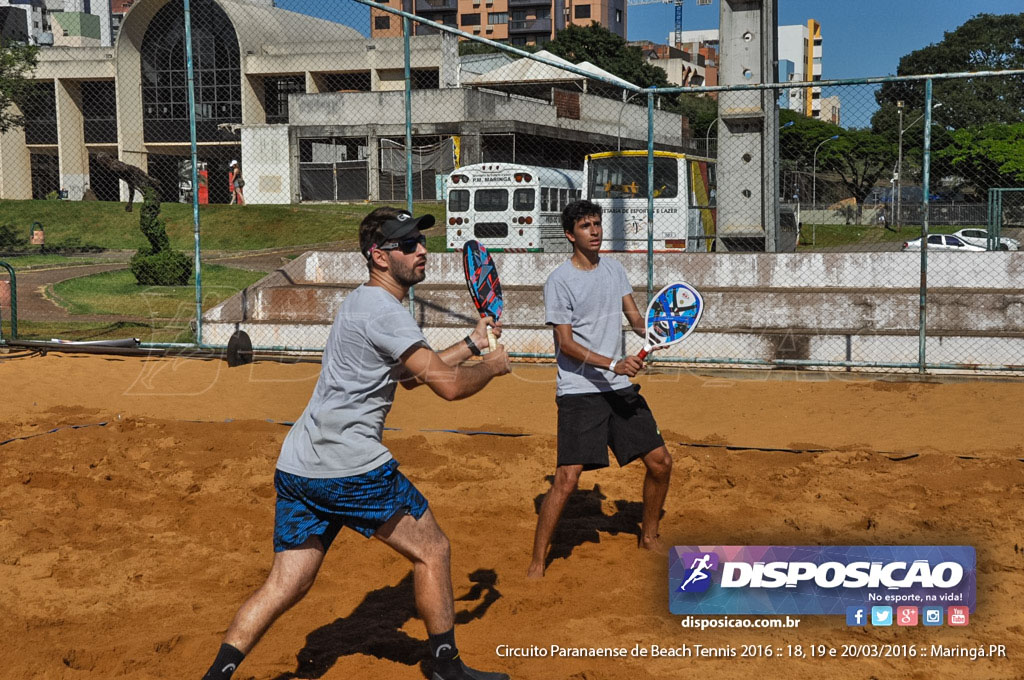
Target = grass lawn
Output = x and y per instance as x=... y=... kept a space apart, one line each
x=222 y=227
x=117 y=293
x=836 y=235
x=21 y=262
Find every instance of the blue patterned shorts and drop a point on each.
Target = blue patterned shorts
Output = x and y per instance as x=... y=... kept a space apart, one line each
x=321 y=507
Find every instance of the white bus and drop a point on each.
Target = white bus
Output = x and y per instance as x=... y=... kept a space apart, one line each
x=684 y=200
x=509 y=207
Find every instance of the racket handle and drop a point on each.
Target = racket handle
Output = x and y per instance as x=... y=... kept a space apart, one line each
x=643 y=353
x=492 y=342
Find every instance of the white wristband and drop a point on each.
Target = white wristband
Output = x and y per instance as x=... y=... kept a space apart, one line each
x=611 y=366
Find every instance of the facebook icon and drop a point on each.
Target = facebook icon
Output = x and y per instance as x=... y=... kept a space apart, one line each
x=856 y=616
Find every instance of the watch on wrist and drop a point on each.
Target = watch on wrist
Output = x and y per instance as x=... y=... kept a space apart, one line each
x=474 y=350
x=611 y=366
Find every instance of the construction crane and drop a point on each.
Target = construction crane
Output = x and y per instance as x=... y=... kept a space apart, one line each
x=678 y=37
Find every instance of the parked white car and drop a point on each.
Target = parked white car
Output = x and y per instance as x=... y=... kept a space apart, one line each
x=944 y=242
x=979 y=237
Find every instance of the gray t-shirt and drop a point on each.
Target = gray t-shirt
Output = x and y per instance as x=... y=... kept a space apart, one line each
x=591 y=301
x=339 y=433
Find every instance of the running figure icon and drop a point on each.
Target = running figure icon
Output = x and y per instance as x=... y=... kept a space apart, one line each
x=699 y=569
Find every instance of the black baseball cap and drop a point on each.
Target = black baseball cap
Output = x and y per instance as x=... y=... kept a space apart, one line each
x=397 y=228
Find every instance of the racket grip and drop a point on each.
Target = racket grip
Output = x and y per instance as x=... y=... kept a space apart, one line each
x=643 y=353
x=492 y=342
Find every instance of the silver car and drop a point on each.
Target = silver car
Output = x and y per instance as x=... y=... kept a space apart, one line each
x=944 y=242
x=979 y=237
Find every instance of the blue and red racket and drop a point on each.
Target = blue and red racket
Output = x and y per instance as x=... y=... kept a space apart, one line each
x=671 y=316
x=484 y=286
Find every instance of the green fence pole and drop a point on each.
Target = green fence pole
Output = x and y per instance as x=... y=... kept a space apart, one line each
x=925 y=179
x=189 y=66
x=14 y=303
x=650 y=196
x=406 y=30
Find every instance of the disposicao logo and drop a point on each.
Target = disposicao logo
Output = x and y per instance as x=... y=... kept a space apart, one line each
x=698 y=573
x=818 y=579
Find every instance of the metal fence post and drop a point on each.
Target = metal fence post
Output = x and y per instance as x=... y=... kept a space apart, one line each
x=14 y=302
x=190 y=76
x=650 y=196
x=926 y=167
x=406 y=30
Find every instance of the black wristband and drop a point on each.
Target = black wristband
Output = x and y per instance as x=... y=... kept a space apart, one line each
x=472 y=346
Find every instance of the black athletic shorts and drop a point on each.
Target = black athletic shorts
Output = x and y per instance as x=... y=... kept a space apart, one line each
x=589 y=423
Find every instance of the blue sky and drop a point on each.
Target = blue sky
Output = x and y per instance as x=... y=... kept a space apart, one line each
x=860 y=38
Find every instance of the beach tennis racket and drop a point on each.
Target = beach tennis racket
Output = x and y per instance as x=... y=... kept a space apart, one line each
x=671 y=316
x=483 y=284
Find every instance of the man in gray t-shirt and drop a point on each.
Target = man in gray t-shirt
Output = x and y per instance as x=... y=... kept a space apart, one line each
x=334 y=471
x=598 y=406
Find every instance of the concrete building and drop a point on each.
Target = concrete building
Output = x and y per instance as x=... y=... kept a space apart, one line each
x=312 y=109
x=799 y=48
x=71 y=23
x=682 y=67
x=516 y=22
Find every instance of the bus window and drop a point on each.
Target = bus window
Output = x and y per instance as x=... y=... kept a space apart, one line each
x=458 y=200
x=545 y=205
x=579 y=194
x=490 y=200
x=563 y=198
x=523 y=199
x=626 y=177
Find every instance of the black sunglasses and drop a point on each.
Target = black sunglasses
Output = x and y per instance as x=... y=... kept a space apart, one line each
x=408 y=245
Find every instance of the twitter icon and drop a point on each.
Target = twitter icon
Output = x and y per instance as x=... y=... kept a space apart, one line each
x=881 y=616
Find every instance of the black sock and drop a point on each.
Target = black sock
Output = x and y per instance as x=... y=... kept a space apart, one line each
x=446 y=655
x=225 y=664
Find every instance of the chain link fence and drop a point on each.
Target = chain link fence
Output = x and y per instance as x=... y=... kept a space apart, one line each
x=797 y=209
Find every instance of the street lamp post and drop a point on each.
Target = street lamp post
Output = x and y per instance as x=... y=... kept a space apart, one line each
x=814 y=169
x=899 y=162
x=707 y=139
x=618 y=127
x=814 y=182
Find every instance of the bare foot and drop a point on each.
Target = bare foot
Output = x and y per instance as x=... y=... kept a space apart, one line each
x=652 y=543
x=536 y=571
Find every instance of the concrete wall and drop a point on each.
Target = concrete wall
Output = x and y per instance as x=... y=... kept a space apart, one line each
x=822 y=307
x=266 y=164
x=455 y=107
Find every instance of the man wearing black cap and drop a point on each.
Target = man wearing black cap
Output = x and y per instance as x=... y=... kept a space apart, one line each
x=334 y=471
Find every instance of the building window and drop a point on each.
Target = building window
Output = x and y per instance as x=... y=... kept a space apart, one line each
x=99 y=112
x=582 y=11
x=618 y=16
x=495 y=18
x=381 y=23
x=425 y=79
x=164 y=83
x=358 y=81
x=470 y=19
x=275 y=94
x=40 y=110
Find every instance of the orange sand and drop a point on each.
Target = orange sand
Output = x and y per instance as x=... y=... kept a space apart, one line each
x=127 y=548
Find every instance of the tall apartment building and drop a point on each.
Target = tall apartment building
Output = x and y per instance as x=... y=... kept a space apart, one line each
x=63 y=23
x=516 y=22
x=799 y=48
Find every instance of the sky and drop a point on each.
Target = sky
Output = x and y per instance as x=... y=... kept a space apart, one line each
x=860 y=38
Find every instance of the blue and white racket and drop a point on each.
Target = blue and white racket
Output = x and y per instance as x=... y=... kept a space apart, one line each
x=671 y=316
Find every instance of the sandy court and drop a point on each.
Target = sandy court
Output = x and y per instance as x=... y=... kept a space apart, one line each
x=125 y=548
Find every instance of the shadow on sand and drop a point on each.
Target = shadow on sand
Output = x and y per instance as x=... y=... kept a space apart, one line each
x=583 y=521
x=374 y=627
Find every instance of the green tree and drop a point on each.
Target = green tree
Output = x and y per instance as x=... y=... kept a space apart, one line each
x=988 y=42
x=602 y=48
x=858 y=158
x=17 y=61
x=991 y=155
